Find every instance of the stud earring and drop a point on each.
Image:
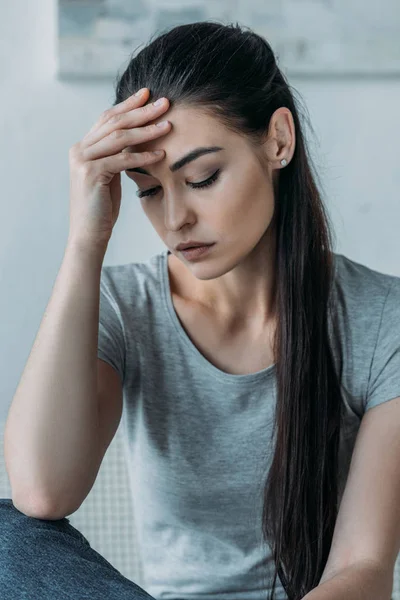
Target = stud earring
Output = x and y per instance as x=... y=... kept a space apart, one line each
x=283 y=162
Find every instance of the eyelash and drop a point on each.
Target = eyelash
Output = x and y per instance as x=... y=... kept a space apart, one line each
x=201 y=184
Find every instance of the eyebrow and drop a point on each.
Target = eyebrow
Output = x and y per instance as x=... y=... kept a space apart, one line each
x=196 y=153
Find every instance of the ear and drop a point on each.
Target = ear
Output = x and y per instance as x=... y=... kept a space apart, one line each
x=281 y=138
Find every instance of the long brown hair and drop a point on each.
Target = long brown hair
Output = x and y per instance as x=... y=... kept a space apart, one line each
x=232 y=72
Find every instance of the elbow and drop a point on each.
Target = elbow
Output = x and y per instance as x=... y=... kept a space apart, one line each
x=39 y=508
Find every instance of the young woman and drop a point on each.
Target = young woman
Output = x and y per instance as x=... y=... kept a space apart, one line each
x=245 y=368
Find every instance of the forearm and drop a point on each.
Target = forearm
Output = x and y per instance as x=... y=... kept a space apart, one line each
x=357 y=582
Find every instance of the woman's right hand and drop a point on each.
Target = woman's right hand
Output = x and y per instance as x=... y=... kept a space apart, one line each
x=97 y=161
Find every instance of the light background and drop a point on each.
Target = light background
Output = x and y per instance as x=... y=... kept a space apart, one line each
x=309 y=36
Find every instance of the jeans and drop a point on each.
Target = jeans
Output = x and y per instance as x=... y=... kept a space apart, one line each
x=51 y=560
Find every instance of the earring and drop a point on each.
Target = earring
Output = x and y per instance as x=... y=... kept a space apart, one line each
x=283 y=162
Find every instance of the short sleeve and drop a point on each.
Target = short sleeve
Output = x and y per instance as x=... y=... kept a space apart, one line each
x=111 y=345
x=384 y=380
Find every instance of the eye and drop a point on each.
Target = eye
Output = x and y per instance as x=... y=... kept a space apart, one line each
x=199 y=185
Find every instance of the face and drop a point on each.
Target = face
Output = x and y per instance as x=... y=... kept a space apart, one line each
x=235 y=210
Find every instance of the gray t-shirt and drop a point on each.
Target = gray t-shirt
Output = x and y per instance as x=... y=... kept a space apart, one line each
x=197 y=440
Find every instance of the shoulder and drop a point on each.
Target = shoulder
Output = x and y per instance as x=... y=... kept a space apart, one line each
x=361 y=294
x=134 y=280
x=365 y=324
x=361 y=284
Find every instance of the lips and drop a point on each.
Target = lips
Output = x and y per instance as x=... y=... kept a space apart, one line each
x=192 y=245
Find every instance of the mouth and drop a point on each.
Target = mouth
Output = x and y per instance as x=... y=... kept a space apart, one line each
x=196 y=251
x=190 y=245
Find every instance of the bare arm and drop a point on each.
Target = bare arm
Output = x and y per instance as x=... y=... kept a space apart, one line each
x=61 y=418
x=51 y=435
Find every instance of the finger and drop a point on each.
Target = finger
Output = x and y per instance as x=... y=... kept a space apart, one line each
x=125 y=160
x=119 y=139
x=128 y=119
x=130 y=102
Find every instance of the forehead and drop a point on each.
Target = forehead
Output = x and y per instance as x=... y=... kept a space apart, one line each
x=182 y=115
x=191 y=128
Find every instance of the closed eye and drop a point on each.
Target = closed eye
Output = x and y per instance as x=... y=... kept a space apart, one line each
x=199 y=185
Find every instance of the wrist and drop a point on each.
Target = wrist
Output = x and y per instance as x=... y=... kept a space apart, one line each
x=92 y=249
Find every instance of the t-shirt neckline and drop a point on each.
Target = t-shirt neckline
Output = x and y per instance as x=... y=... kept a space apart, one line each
x=202 y=360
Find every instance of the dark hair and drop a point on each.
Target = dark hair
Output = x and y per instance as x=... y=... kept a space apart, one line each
x=231 y=72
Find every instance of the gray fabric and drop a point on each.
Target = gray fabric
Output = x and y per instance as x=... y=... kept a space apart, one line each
x=198 y=440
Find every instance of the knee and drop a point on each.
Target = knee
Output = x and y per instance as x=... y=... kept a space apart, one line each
x=8 y=510
x=8 y=507
x=11 y=523
x=16 y=527
x=20 y=538
x=10 y=515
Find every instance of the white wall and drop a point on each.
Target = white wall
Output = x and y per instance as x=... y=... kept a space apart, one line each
x=357 y=124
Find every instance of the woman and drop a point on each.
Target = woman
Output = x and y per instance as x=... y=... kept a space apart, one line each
x=246 y=367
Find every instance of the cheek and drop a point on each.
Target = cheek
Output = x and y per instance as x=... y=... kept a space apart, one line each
x=251 y=202
x=155 y=214
x=150 y=211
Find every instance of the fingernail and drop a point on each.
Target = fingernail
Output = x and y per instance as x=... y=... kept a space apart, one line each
x=140 y=92
x=159 y=101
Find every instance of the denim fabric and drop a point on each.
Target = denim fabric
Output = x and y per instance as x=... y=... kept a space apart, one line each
x=51 y=560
